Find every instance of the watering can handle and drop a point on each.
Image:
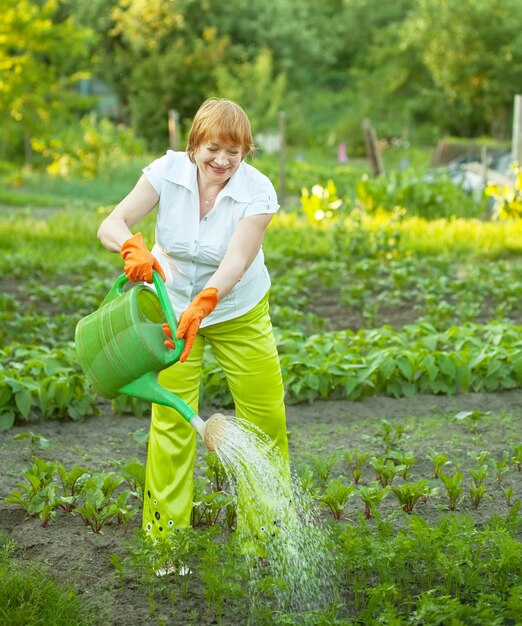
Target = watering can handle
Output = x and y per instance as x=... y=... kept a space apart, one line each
x=165 y=301
x=170 y=316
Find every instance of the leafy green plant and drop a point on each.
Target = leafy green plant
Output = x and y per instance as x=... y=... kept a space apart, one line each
x=32 y=496
x=477 y=494
x=134 y=473
x=453 y=485
x=207 y=506
x=389 y=435
x=371 y=496
x=439 y=461
x=409 y=494
x=501 y=467
x=386 y=469
x=356 y=461
x=479 y=475
x=335 y=497
x=508 y=494
x=72 y=482
x=516 y=459
x=405 y=459
x=96 y=504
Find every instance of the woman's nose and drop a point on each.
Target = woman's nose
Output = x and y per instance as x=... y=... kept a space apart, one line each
x=221 y=158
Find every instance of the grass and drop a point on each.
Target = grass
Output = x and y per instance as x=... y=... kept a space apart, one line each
x=30 y=596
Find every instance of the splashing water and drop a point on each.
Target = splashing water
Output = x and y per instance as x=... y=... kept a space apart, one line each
x=276 y=523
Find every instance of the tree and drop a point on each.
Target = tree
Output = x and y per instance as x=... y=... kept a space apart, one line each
x=41 y=62
x=473 y=51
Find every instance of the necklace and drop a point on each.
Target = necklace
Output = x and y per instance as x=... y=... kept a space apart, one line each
x=209 y=201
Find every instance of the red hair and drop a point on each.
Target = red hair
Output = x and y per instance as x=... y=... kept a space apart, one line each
x=224 y=120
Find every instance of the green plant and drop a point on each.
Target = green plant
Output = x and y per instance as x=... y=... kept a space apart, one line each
x=30 y=594
x=390 y=435
x=96 y=504
x=501 y=467
x=516 y=459
x=134 y=473
x=356 y=461
x=508 y=494
x=72 y=482
x=439 y=461
x=406 y=460
x=453 y=485
x=479 y=475
x=410 y=493
x=476 y=494
x=208 y=506
x=386 y=469
x=371 y=496
x=335 y=497
x=33 y=495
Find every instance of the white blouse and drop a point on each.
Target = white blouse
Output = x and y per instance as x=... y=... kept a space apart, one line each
x=189 y=249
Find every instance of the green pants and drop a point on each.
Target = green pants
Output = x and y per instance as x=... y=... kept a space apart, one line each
x=246 y=351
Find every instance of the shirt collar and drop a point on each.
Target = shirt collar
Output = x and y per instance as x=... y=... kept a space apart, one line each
x=186 y=175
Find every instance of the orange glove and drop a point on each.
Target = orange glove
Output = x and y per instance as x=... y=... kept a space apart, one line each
x=139 y=261
x=202 y=305
x=166 y=329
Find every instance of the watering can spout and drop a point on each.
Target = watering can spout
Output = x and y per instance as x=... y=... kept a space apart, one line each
x=121 y=347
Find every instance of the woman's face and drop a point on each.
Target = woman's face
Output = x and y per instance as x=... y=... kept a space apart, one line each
x=217 y=161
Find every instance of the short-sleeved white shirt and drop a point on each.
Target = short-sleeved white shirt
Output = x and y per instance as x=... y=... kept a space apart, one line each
x=189 y=249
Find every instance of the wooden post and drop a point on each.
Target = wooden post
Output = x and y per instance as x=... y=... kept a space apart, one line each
x=173 y=129
x=516 y=145
x=372 y=148
x=282 y=156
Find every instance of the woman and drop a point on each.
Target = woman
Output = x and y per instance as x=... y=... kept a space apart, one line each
x=212 y=215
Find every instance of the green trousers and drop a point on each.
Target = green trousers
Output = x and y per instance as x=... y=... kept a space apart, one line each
x=246 y=351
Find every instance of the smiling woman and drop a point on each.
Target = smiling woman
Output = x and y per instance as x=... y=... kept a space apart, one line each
x=213 y=211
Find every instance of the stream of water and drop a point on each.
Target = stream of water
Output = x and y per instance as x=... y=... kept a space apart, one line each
x=277 y=527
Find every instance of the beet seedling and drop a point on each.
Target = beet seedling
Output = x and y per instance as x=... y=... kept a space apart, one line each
x=516 y=459
x=508 y=494
x=476 y=493
x=439 y=461
x=386 y=470
x=336 y=496
x=410 y=493
x=356 y=462
x=405 y=460
x=501 y=467
x=97 y=504
x=479 y=475
x=453 y=486
x=371 y=497
x=72 y=483
x=39 y=476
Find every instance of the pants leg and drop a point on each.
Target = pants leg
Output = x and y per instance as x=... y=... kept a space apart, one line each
x=246 y=350
x=172 y=451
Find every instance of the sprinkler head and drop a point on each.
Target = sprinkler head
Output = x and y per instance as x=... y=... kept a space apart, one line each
x=215 y=430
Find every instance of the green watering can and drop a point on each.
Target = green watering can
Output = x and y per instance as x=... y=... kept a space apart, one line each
x=120 y=346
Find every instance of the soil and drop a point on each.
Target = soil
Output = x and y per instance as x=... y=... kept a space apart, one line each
x=81 y=558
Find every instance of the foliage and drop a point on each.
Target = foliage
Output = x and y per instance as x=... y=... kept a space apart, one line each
x=87 y=149
x=43 y=58
x=507 y=198
x=431 y=196
x=254 y=85
x=42 y=382
x=475 y=92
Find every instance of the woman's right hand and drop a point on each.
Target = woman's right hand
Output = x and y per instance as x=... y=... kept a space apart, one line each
x=139 y=261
